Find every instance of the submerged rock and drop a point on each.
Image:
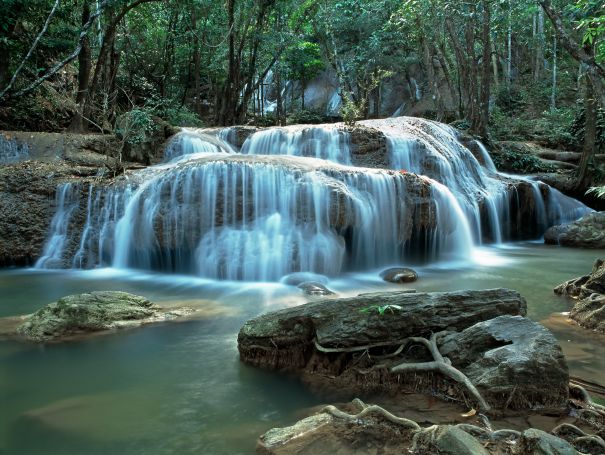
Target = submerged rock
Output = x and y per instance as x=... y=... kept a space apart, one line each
x=514 y=362
x=589 y=310
x=92 y=312
x=399 y=275
x=587 y=232
x=296 y=278
x=314 y=288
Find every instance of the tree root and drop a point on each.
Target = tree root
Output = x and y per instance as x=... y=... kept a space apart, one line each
x=439 y=363
x=578 y=437
x=371 y=409
x=587 y=398
x=442 y=366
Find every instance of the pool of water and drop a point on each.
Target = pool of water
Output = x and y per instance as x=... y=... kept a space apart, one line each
x=178 y=388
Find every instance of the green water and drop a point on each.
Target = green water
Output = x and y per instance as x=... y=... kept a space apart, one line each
x=178 y=388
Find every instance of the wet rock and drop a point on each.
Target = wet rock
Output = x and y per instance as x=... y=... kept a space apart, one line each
x=538 y=442
x=91 y=312
x=27 y=205
x=446 y=440
x=314 y=288
x=342 y=322
x=590 y=312
x=321 y=341
x=294 y=279
x=589 y=290
x=586 y=285
x=399 y=275
x=324 y=433
x=373 y=430
x=587 y=232
x=513 y=361
x=368 y=147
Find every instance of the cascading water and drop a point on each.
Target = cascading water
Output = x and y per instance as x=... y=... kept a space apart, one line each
x=191 y=141
x=68 y=201
x=12 y=151
x=277 y=208
x=326 y=143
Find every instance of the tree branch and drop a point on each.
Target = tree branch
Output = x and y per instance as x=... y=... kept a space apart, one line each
x=55 y=69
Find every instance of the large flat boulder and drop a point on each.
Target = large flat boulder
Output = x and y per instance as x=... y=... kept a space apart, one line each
x=356 y=321
x=377 y=343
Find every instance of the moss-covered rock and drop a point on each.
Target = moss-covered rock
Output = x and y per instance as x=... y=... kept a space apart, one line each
x=89 y=312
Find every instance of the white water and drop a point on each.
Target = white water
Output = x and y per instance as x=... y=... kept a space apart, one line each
x=326 y=143
x=279 y=207
x=68 y=201
x=12 y=151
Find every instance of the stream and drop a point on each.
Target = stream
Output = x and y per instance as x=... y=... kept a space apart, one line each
x=179 y=388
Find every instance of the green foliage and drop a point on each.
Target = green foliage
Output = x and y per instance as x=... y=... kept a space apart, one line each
x=551 y=128
x=598 y=191
x=514 y=160
x=381 y=309
x=306 y=116
x=135 y=126
x=304 y=61
x=578 y=126
x=351 y=110
x=181 y=116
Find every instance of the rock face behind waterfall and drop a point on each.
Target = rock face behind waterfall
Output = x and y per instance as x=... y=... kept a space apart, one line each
x=324 y=342
x=27 y=194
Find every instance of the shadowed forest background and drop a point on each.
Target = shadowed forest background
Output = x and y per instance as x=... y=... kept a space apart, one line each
x=509 y=70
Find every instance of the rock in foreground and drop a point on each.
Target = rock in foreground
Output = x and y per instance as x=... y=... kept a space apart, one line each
x=91 y=312
x=367 y=429
x=587 y=232
x=376 y=343
x=589 y=290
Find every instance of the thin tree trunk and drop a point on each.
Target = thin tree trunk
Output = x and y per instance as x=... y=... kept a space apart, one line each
x=84 y=67
x=553 y=94
x=485 y=73
x=539 y=62
x=590 y=138
x=509 y=48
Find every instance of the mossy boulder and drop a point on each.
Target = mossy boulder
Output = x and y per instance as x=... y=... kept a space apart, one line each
x=89 y=312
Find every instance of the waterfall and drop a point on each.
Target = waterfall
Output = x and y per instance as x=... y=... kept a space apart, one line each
x=291 y=201
x=67 y=201
x=327 y=143
x=12 y=151
x=191 y=141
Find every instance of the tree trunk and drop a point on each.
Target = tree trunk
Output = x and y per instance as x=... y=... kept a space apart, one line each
x=590 y=138
x=485 y=73
x=196 y=64
x=509 y=48
x=553 y=94
x=594 y=70
x=85 y=65
x=539 y=58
